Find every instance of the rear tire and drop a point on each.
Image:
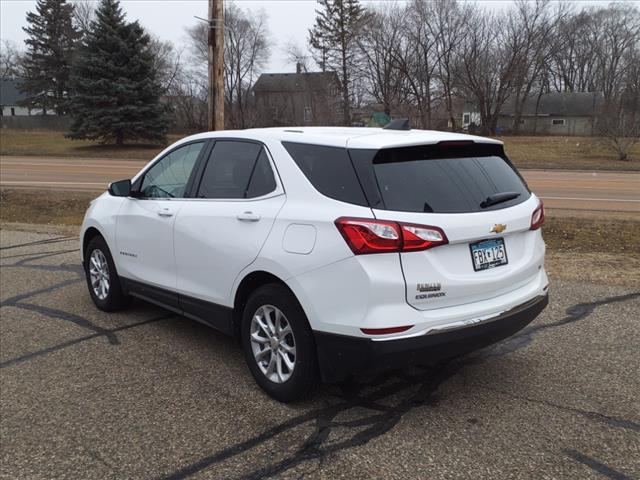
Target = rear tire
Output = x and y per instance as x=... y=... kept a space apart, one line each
x=278 y=344
x=102 y=278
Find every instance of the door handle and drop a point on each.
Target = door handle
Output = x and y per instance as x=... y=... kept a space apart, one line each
x=165 y=212
x=248 y=217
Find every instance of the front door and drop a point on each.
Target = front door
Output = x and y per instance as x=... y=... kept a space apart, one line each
x=144 y=231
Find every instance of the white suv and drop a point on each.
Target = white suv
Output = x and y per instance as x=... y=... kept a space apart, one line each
x=327 y=251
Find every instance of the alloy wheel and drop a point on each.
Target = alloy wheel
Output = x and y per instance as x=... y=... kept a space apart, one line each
x=273 y=343
x=99 y=274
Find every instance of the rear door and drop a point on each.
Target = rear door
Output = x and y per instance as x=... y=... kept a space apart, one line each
x=481 y=203
x=221 y=231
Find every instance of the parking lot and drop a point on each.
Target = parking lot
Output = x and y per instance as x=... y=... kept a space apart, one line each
x=148 y=394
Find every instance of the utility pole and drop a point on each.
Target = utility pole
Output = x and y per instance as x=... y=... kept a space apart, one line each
x=216 y=64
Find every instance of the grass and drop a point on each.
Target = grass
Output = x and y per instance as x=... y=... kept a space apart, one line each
x=597 y=250
x=568 y=153
x=572 y=153
x=47 y=143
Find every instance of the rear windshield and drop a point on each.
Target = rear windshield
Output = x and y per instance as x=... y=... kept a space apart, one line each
x=446 y=185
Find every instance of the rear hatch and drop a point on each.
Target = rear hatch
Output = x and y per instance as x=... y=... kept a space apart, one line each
x=476 y=197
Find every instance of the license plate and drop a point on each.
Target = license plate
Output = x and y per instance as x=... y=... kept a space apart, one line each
x=488 y=254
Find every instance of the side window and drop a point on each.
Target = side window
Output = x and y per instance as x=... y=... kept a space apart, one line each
x=237 y=170
x=168 y=178
x=262 y=180
x=330 y=171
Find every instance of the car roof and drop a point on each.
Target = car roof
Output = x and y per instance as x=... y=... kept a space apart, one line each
x=351 y=137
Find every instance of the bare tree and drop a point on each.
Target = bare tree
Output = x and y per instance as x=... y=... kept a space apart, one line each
x=10 y=60
x=489 y=56
x=166 y=62
x=83 y=15
x=416 y=57
x=246 y=51
x=532 y=25
x=448 y=28
x=615 y=33
x=297 y=55
x=378 y=42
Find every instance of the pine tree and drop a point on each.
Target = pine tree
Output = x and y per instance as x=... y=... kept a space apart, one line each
x=116 y=92
x=50 y=46
x=333 y=39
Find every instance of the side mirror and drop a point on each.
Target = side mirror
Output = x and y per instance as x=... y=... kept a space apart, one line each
x=121 y=188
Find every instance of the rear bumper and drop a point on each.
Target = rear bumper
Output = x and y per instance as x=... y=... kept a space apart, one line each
x=341 y=356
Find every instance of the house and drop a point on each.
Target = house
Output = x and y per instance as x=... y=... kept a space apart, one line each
x=301 y=98
x=10 y=97
x=470 y=117
x=556 y=113
x=553 y=113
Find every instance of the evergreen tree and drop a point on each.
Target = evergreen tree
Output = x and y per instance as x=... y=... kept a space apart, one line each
x=333 y=40
x=116 y=92
x=50 y=46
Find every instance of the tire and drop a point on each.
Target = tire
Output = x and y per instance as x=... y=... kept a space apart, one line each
x=114 y=298
x=298 y=382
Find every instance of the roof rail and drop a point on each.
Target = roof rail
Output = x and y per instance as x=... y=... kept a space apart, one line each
x=398 y=124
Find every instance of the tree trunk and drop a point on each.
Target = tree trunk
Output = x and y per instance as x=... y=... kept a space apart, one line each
x=346 y=111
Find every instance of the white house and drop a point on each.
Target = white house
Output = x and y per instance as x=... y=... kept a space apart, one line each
x=10 y=97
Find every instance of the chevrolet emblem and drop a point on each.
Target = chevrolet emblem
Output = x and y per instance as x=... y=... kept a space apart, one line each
x=498 y=228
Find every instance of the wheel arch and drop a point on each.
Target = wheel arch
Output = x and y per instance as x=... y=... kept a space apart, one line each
x=89 y=234
x=251 y=282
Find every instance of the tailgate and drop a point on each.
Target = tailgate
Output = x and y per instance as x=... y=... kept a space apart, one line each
x=445 y=276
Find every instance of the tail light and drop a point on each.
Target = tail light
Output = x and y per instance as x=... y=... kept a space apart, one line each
x=537 y=218
x=365 y=235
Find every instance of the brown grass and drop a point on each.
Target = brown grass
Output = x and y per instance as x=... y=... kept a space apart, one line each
x=568 y=153
x=582 y=249
x=572 y=153
x=47 y=143
x=45 y=207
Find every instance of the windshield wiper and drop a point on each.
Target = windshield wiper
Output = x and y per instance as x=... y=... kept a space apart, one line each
x=498 y=198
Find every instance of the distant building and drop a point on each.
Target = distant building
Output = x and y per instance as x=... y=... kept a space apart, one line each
x=10 y=97
x=554 y=113
x=302 y=98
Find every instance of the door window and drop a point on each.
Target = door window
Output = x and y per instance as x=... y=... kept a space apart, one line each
x=169 y=177
x=237 y=170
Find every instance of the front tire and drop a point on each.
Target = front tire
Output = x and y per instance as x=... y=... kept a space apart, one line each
x=102 y=279
x=278 y=344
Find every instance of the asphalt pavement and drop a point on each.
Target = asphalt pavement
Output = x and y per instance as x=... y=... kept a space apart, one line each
x=560 y=189
x=148 y=394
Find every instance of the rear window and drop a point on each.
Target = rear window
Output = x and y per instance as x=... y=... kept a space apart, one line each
x=411 y=182
x=329 y=170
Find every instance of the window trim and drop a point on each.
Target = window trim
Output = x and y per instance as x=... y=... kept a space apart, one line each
x=200 y=168
x=554 y=124
x=188 y=191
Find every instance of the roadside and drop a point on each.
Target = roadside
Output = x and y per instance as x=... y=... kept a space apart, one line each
x=603 y=249
x=549 y=152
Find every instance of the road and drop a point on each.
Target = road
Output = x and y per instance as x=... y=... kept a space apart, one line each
x=145 y=393
x=571 y=190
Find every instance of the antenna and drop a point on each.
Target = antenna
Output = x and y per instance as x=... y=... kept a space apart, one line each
x=398 y=124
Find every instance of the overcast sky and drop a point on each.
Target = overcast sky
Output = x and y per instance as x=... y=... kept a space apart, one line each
x=288 y=20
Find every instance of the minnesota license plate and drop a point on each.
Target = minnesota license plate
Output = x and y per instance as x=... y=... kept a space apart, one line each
x=488 y=254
